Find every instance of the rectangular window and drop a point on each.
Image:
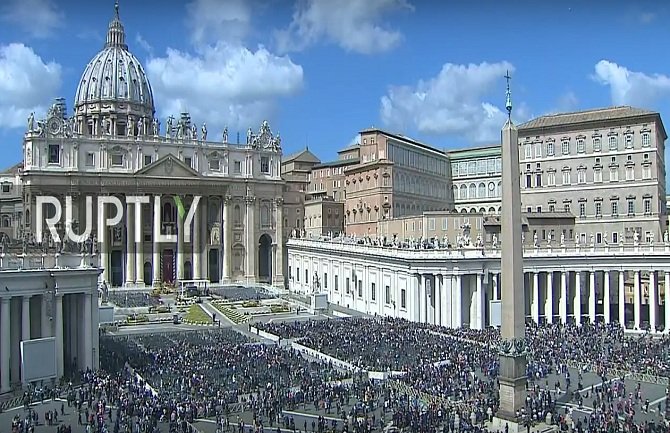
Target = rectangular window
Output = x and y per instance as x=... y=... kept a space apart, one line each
x=647 y=206
x=373 y=291
x=566 y=207
x=615 y=208
x=550 y=149
x=360 y=288
x=528 y=151
x=188 y=161
x=147 y=160
x=54 y=154
x=614 y=174
x=346 y=286
x=538 y=180
x=565 y=147
x=403 y=298
x=646 y=172
x=90 y=159
x=265 y=165
x=630 y=173
x=629 y=141
x=306 y=277
x=337 y=283
x=631 y=206
x=529 y=181
x=597 y=175
x=582 y=210
x=538 y=150
x=431 y=224
x=581 y=176
x=581 y=148
x=614 y=142
x=117 y=160
x=387 y=294
x=551 y=178
x=599 y=210
x=646 y=139
x=297 y=274
x=615 y=237
x=214 y=164
x=597 y=144
x=5 y=187
x=566 y=178
x=237 y=167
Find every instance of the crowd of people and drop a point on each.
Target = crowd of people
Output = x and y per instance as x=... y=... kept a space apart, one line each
x=241 y=293
x=127 y=299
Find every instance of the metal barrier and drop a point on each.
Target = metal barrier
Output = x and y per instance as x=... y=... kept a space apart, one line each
x=638 y=377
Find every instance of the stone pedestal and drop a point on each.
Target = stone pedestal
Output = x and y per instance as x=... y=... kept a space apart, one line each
x=512 y=378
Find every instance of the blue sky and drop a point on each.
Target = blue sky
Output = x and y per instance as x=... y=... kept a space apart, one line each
x=321 y=70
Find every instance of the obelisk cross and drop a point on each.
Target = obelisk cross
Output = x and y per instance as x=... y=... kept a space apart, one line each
x=508 y=100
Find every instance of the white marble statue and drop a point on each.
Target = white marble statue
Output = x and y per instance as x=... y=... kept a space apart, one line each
x=154 y=127
x=592 y=239
x=250 y=135
x=606 y=237
x=203 y=132
x=494 y=241
x=562 y=239
x=168 y=129
x=31 y=122
x=225 y=134
x=636 y=238
x=536 y=242
x=666 y=237
x=479 y=241
x=140 y=127
x=651 y=238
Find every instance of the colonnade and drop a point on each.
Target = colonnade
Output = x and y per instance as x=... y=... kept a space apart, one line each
x=72 y=321
x=634 y=299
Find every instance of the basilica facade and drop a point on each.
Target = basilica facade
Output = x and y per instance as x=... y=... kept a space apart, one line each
x=114 y=145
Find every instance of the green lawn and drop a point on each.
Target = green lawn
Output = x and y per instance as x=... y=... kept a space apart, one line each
x=196 y=314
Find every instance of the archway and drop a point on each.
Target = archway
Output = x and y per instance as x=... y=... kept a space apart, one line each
x=265 y=258
x=147 y=273
x=188 y=270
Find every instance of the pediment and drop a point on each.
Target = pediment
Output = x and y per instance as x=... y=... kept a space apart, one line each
x=167 y=166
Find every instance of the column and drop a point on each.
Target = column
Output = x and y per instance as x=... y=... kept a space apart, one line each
x=226 y=239
x=252 y=243
x=58 y=334
x=139 y=251
x=180 y=248
x=88 y=329
x=447 y=296
x=423 y=300
x=45 y=326
x=479 y=299
x=606 y=297
x=535 y=302
x=438 y=300
x=592 y=297
x=456 y=302
x=102 y=243
x=204 y=237
x=279 y=240
x=549 y=300
x=196 y=250
x=130 y=243
x=563 y=303
x=577 y=307
x=25 y=319
x=652 y=300
x=636 y=301
x=666 y=301
x=155 y=249
x=622 y=300
x=4 y=345
x=95 y=340
x=496 y=285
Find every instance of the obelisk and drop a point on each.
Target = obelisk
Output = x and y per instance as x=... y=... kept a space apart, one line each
x=512 y=350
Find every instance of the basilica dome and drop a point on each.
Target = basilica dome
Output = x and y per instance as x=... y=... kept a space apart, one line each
x=115 y=75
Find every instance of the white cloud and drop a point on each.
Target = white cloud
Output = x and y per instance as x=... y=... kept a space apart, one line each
x=38 y=17
x=354 y=25
x=26 y=81
x=146 y=46
x=566 y=102
x=222 y=83
x=453 y=103
x=211 y=21
x=631 y=88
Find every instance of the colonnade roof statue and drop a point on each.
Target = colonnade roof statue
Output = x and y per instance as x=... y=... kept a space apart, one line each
x=512 y=347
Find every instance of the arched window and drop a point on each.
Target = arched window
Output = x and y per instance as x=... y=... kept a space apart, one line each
x=265 y=215
x=464 y=192
x=482 y=190
x=499 y=189
x=455 y=189
x=473 y=191
x=168 y=213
